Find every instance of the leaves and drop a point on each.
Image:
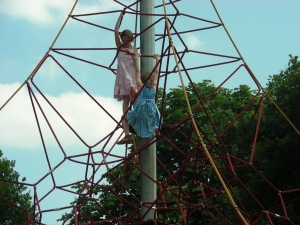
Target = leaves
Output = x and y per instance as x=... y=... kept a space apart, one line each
x=12 y=192
x=227 y=120
x=278 y=148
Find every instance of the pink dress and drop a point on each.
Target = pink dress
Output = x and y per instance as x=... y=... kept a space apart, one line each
x=125 y=83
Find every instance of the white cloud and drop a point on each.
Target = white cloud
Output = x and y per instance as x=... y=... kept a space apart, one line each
x=192 y=41
x=38 y=12
x=19 y=128
x=96 y=6
x=51 y=11
x=49 y=70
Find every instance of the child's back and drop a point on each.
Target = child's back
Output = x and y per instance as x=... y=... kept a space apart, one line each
x=145 y=116
x=125 y=77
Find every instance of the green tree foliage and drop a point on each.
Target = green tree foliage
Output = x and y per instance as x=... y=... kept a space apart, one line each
x=278 y=148
x=12 y=193
x=227 y=120
x=103 y=202
x=220 y=109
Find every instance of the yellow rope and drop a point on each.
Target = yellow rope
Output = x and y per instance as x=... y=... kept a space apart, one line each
x=195 y=126
x=277 y=107
x=38 y=65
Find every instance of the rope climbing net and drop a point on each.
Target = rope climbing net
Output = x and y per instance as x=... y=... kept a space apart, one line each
x=205 y=154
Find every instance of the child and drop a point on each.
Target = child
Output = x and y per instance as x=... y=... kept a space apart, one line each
x=125 y=83
x=145 y=116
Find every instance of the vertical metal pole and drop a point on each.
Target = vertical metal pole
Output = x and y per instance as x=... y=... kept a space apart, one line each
x=148 y=155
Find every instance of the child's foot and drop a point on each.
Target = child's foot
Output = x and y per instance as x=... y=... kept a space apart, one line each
x=126 y=140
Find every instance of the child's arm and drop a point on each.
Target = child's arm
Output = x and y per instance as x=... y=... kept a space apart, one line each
x=156 y=71
x=136 y=60
x=117 y=36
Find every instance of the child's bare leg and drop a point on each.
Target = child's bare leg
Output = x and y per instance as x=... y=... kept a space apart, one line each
x=125 y=103
x=127 y=138
x=125 y=127
x=124 y=121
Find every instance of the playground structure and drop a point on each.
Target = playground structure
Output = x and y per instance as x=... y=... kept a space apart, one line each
x=174 y=196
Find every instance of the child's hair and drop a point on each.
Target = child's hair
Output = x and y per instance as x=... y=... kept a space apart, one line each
x=144 y=78
x=126 y=33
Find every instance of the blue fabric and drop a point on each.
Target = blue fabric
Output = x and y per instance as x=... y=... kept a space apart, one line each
x=144 y=118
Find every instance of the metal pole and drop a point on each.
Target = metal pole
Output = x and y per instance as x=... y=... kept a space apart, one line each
x=148 y=155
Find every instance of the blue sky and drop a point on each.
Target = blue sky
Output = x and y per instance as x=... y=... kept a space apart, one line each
x=264 y=31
